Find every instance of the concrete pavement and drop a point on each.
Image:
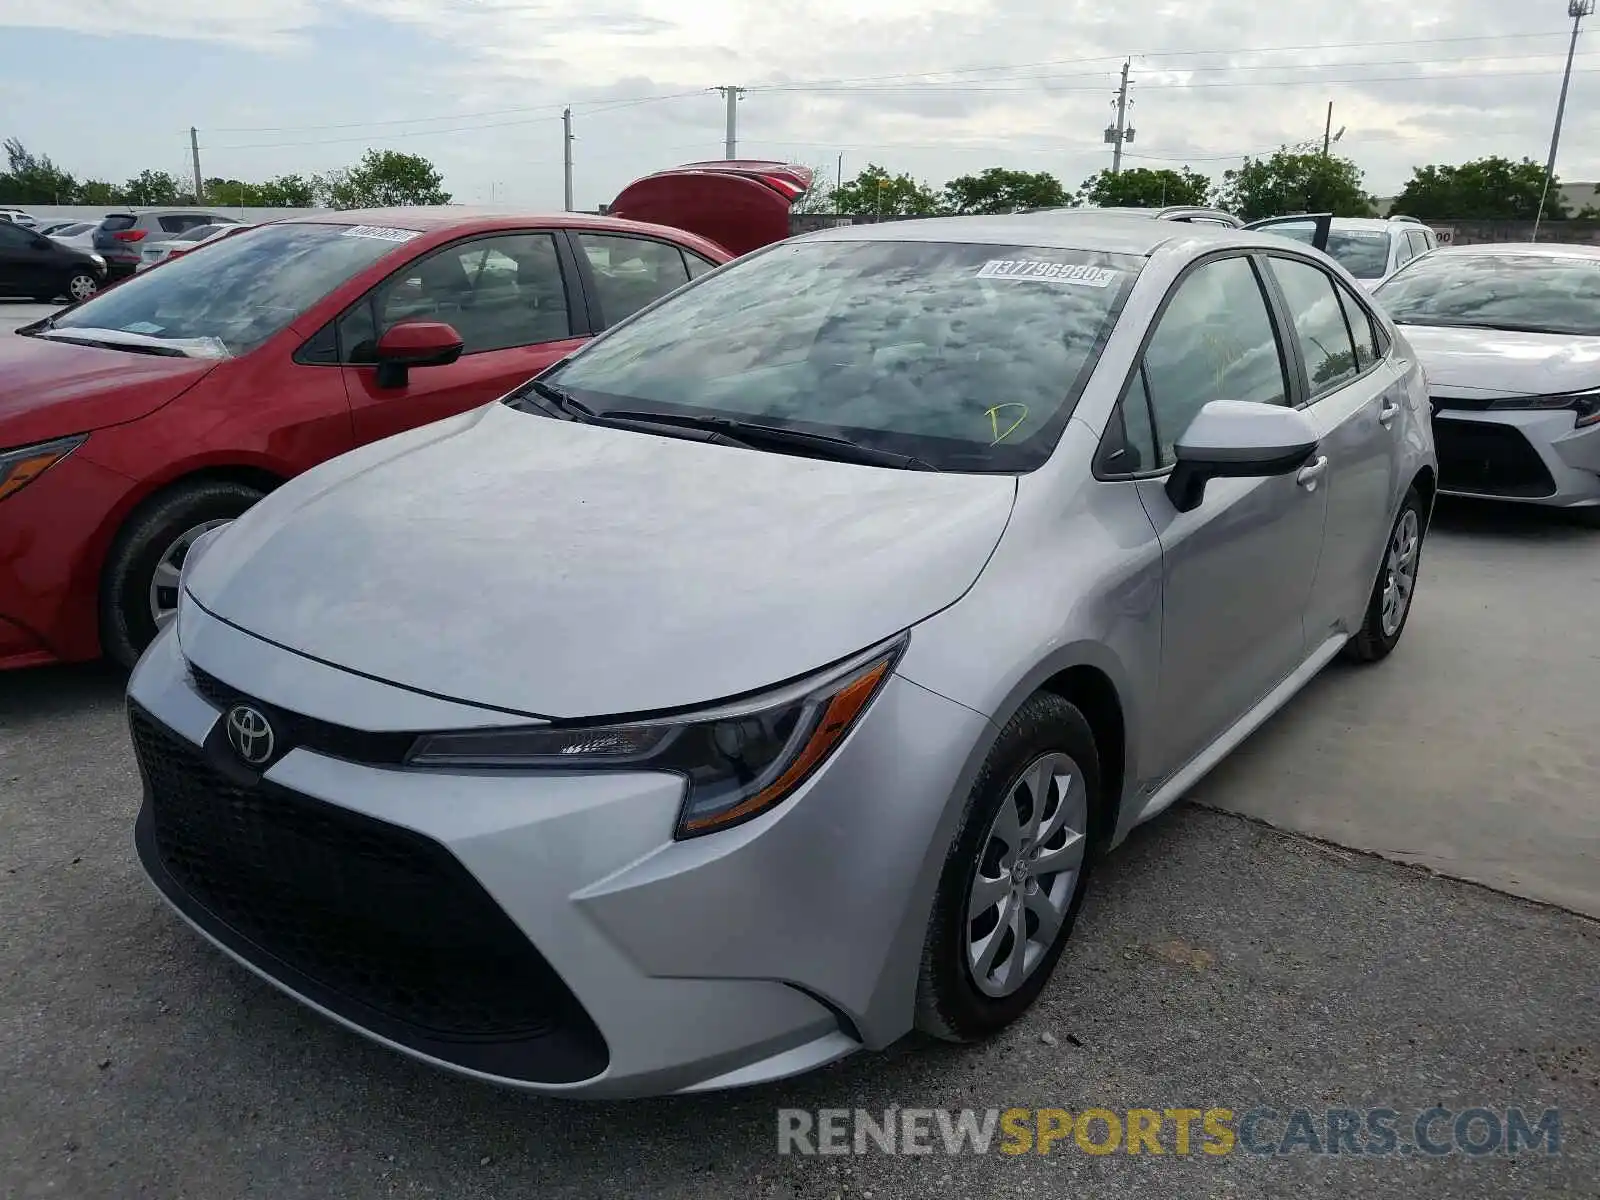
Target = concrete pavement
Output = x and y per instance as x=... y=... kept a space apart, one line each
x=1474 y=750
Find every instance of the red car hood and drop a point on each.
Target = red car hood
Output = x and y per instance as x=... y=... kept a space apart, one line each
x=50 y=389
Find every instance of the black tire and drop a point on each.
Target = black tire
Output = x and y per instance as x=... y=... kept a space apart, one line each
x=1370 y=644
x=949 y=1004
x=126 y=623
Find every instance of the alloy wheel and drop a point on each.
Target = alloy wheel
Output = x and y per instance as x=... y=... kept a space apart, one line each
x=1027 y=871
x=1400 y=572
x=169 y=567
x=81 y=287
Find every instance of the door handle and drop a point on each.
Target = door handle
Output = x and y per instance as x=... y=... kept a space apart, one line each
x=1388 y=412
x=1312 y=472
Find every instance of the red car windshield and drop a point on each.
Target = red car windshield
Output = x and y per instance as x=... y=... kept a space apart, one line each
x=232 y=298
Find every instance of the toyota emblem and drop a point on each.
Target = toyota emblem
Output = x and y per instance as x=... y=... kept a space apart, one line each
x=250 y=734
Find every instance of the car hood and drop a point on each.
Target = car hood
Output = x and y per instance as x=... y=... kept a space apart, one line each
x=1491 y=363
x=51 y=389
x=566 y=570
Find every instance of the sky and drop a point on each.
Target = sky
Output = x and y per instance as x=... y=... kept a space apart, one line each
x=936 y=88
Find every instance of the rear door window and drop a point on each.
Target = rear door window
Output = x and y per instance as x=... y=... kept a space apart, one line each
x=1319 y=325
x=630 y=272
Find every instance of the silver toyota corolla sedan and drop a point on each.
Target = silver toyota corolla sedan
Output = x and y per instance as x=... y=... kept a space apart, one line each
x=1509 y=337
x=763 y=681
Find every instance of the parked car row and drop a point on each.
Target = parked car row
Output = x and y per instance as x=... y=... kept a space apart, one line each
x=517 y=601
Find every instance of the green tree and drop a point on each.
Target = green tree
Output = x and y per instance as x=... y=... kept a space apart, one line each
x=1140 y=187
x=33 y=179
x=383 y=179
x=98 y=191
x=818 y=198
x=154 y=187
x=875 y=191
x=1487 y=189
x=1295 y=179
x=998 y=190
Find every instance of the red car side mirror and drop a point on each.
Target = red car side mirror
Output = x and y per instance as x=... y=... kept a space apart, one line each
x=415 y=344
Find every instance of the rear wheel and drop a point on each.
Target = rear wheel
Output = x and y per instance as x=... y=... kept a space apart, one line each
x=139 y=594
x=81 y=285
x=1014 y=878
x=1390 y=604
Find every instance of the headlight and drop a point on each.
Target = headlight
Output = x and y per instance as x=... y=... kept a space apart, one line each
x=98 y=260
x=740 y=760
x=20 y=467
x=1585 y=404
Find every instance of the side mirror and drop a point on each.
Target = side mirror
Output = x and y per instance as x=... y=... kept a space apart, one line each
x=415 y=344
x=1235 y=439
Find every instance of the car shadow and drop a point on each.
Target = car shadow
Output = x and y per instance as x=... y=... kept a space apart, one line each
x=1512 y=522
x=35 y=693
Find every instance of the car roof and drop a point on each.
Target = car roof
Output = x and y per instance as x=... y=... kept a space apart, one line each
x=465 y=219
x=1113 y=234
x=1525 y=249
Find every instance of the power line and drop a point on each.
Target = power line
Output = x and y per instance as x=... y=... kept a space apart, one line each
x=601 y=106
x=979 y=86
x=598 y=106
x=1472 y=76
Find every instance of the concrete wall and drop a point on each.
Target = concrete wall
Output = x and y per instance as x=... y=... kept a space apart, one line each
x=1470 y=233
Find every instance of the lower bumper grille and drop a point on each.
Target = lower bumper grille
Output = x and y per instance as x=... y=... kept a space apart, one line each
x=376 y=923
x=1490 y=459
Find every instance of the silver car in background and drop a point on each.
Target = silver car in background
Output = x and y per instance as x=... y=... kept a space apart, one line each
x=1509 y=337
x=764 y=680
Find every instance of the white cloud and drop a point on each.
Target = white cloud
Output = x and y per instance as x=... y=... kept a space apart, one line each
x=948 y=111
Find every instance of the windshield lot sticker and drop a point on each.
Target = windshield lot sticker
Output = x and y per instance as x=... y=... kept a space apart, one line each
x=1023 y=268
x=145 y=327
x=380 y=233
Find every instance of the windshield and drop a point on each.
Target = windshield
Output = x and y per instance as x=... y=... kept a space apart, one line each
x=968 y=357
x=237 y=294
x=1537 y=293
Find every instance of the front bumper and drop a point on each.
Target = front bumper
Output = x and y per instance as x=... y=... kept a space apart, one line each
x=1530 y=456
x=546 y=933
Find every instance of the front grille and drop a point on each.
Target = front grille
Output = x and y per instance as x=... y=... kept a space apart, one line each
x=374 y=922
x=296 y=729
x=1489 y=459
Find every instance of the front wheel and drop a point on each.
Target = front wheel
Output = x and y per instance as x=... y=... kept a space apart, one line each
x=1396 y=586
x=1014 y=878
x=139 y=594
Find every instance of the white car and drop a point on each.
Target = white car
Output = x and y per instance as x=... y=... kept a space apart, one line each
x=156 y=253
x=1373 y=249
x=17 y=217
x=1509 y=339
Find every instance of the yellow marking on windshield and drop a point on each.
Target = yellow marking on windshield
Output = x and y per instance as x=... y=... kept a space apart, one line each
x=994 y=421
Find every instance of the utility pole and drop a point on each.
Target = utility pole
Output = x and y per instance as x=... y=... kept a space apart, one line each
x=1327 y=132
x=566 y=153
x=1119 y=134
x=1577 y=10
x=194 y=152
x=730 y=144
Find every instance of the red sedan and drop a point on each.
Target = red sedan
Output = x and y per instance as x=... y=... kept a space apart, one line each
x=132 y=423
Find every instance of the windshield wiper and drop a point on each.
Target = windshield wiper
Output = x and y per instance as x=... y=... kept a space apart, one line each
x=754 y=433
x=561 y=400
x=63 y=335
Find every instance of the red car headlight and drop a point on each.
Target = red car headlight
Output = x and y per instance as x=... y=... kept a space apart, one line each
x=20 y=467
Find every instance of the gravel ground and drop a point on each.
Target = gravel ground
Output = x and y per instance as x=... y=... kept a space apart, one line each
x=1218 y=963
